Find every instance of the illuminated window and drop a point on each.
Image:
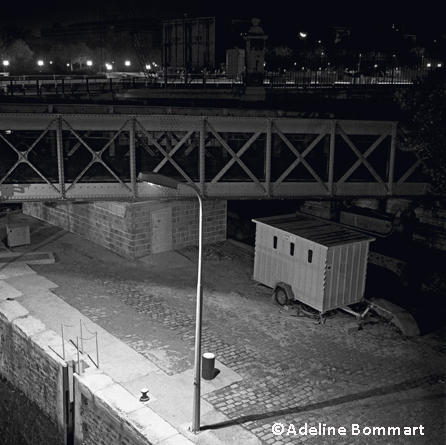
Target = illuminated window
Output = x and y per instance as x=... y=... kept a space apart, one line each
x=310 y=256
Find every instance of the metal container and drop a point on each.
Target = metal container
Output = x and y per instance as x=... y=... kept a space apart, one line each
x=17 y=234
x=317 y=262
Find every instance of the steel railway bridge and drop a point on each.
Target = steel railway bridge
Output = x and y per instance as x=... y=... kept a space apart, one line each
x=94 y=157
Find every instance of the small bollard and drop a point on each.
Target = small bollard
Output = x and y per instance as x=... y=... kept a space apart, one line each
x=208 y=365
x=144 y=397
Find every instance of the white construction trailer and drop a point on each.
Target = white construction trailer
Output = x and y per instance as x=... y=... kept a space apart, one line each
x=319 y=263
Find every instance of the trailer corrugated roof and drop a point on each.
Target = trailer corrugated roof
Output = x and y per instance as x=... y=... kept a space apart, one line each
x=318 y=230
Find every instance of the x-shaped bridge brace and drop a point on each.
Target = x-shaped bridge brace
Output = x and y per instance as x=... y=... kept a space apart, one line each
x=208 y=128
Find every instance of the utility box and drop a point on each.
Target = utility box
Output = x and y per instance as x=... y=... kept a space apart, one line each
x=17 y=234
x=316 y=262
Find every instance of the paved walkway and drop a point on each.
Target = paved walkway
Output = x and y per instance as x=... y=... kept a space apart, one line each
x=170 y=395
x=276 y=370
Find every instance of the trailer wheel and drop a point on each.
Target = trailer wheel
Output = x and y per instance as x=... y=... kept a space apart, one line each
x=281 y=297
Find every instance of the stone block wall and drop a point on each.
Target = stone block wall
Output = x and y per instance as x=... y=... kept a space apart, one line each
x=29 y=364
x=104 y=223
x=125 y=228
x=185 y=222
x=107 y=414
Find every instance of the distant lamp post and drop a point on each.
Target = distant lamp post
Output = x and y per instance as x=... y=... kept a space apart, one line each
x=89 y=63
x=127 y=63
x=165 y=181
x=5 y=64
x=109 y=66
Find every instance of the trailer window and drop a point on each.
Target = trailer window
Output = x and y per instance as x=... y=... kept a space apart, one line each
x=292 y=249
x=275 y=242
x=310 y=256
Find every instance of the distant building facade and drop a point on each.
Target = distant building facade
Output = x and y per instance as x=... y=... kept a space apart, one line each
x=197 y=43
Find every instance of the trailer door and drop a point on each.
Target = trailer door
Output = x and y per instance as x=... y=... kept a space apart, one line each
x=308 y=280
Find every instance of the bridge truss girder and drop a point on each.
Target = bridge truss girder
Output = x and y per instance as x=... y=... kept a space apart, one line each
x=53 y=157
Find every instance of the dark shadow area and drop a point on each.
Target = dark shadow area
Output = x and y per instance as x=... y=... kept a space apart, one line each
x=377 y=392
x=43 y=235
x=419 y=287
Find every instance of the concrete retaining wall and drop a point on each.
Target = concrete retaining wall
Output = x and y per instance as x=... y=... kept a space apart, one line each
x=125 y=228
x=105 y=413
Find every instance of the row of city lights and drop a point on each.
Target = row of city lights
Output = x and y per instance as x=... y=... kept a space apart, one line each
x=127 y=63
x=109 y=66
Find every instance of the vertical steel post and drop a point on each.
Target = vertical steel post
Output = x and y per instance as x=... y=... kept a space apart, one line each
x=392 y=157
x=133 y=156
x=59 y=147
x=268 y=157
x=331 y=158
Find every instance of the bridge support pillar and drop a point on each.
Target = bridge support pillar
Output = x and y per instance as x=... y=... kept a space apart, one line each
x=136 y=229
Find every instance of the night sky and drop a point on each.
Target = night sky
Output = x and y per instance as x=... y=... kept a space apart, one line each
x=426 y=15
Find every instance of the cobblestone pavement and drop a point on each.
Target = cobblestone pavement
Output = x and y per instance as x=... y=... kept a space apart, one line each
x=295 y=371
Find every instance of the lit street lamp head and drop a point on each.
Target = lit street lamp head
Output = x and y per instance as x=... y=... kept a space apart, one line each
x=158 y=179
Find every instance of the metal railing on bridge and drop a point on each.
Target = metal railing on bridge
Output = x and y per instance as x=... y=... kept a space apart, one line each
x=308 y=72
x=98 y=156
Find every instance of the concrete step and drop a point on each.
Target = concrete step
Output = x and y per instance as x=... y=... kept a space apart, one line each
x=27 y=257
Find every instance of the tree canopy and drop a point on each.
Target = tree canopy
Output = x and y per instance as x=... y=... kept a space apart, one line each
x=16 y=51
x=424 y=130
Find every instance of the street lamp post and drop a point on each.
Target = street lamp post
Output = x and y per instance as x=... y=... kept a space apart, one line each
x=5 y=64
x=165 y=181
